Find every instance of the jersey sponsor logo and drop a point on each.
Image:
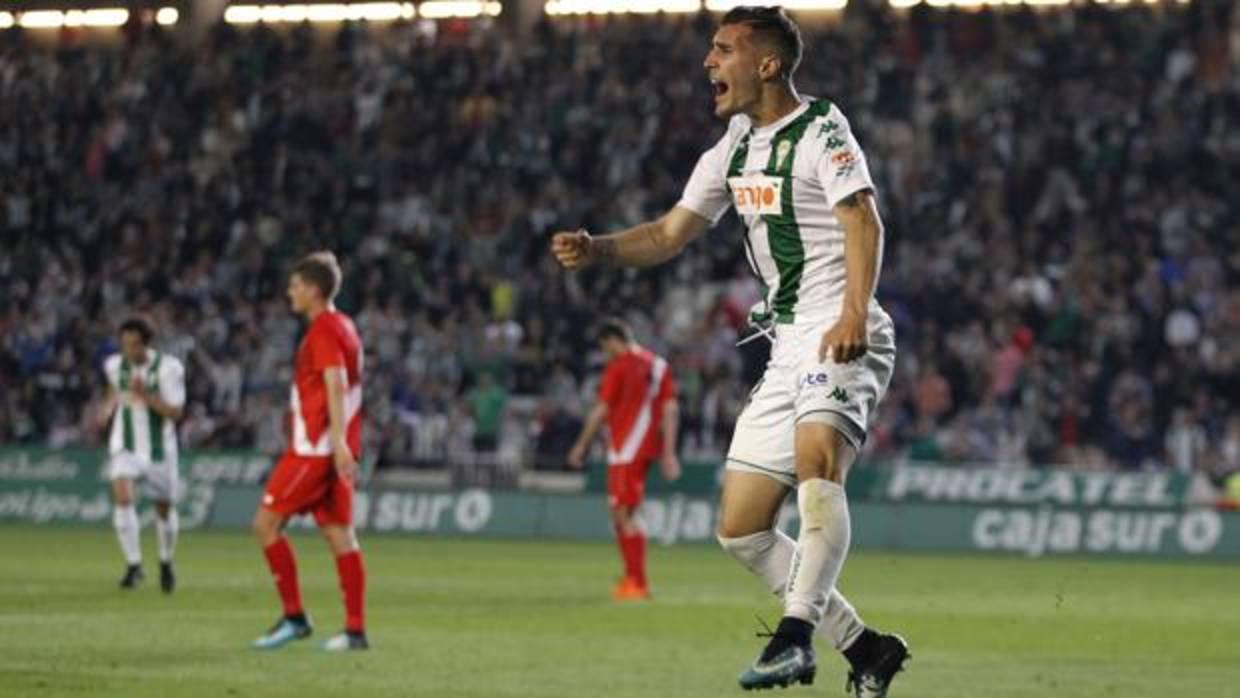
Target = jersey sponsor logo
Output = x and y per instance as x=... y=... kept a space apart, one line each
x=835 y=143
x=845 y=162
x=757 y=195
x=827 y=128
x=812 y=379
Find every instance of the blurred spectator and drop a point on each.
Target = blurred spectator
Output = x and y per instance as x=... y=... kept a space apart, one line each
x=487 y=401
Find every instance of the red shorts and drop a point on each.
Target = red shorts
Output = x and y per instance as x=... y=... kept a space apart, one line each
x=626 y=484
x=300 y=484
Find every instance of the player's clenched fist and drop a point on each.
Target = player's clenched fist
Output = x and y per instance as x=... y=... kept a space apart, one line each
x=572 y=250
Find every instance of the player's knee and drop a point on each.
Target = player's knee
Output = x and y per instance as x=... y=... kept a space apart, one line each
x=746 y=547
x=824 y=452
x=264 y=528
x=832 y=469
x=122 y=493
x=622 y=518
x=339 y=539
x=740 y=526
x=820 y=463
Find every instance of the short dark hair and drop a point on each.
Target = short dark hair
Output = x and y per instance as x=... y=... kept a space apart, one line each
x=613 y=328
x=320 y=269
x=773 y=25
x=140 y=326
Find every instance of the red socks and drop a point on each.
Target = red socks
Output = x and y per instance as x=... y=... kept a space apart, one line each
x=349 y=567
x=283 y=566
x=633 y=550
x=353 y=585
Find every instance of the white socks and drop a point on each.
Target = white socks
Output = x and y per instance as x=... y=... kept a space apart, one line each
x=768 y=554
x=125 y=521
x=166 y=532
x=820 y=549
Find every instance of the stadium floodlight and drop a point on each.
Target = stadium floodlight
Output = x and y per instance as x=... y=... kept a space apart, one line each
x=327 y=12
x=42 y=19
x=725 y=5
x=975 y=4
x=54 y=19
x=602 y=7
x=110 y=17
x=443 y=9
x=93 y=18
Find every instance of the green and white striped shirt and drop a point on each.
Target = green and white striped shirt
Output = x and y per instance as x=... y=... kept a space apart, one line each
x=136 y=428
x=784 y=179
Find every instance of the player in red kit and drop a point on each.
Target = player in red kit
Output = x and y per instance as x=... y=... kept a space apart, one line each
x=637 y=398
x=316 y=473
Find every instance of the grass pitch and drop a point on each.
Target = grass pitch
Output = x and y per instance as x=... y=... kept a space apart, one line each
x=453 y=618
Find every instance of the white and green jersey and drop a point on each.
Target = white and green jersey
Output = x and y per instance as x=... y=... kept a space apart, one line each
x=784 y=179
x=136 y=428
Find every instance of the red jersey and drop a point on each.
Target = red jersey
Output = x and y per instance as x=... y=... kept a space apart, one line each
x=635 y=387
x=331 y=341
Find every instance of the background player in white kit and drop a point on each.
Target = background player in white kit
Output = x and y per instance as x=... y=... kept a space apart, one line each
x=797 y=177
x=146 y=397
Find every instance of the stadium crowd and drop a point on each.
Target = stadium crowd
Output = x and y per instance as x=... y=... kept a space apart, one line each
x=1063 y=246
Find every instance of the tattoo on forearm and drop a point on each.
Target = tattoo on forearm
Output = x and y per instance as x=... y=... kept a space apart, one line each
x=605 y=251
x=651 y=237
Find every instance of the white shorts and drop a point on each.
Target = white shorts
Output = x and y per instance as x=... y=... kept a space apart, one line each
x=161 y=481
x=796 y=387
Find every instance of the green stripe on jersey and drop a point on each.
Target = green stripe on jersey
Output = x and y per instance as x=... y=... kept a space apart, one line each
x=126 y=411
x=156 y=421
x=783 y=232
x=735 y=167
x=739 y=155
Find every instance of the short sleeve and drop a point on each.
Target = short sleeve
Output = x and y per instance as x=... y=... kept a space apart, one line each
x=172 y=383
x=609 y=386
x=667 y=387
x=706 y=193
x=325 y=350
x=842 y=169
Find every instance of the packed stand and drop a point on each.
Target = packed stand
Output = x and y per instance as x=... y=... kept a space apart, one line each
x=1061 y=262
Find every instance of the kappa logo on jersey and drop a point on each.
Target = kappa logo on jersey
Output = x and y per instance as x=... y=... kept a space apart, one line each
x=827 y=128
x=821 y=379
x=757 y=195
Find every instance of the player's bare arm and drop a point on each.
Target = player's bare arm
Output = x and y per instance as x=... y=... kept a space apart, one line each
x=863 y=250
x=643 y=245
x=155 y=402
x=577 y=456
x=346 y=464
x=671 y=427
